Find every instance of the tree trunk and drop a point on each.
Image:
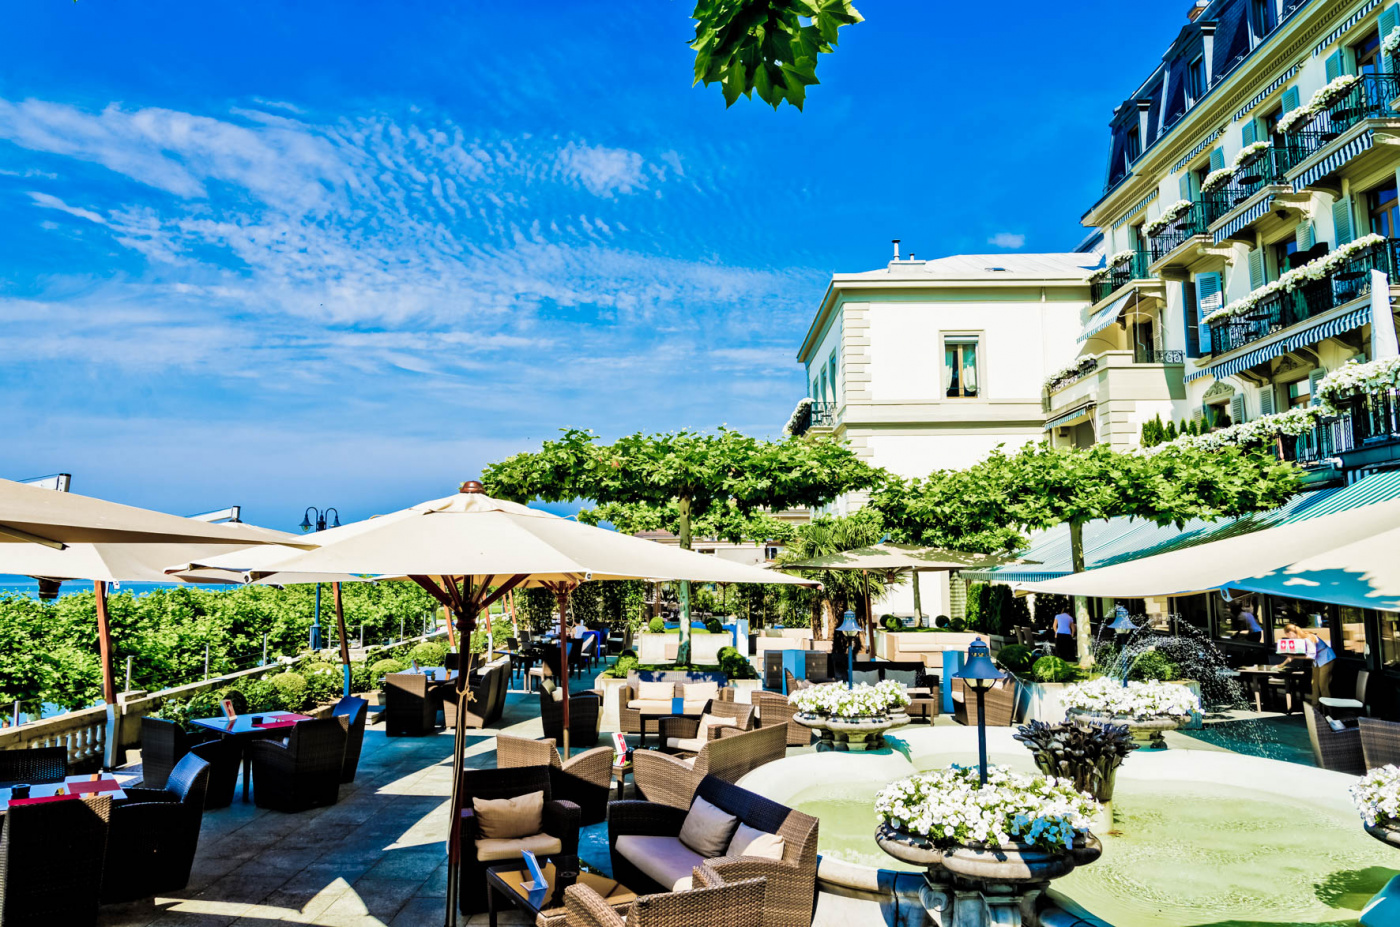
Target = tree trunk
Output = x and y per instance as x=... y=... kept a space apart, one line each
x=1081 y=603
x=683 y=503
x=828 y=621
x=918 y=602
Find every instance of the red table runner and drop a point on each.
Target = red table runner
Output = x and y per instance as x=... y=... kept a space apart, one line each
x=101 y=785
x=39 y=800
x=282 y=721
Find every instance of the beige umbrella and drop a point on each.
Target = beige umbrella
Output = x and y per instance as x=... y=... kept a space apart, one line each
x=468 y=550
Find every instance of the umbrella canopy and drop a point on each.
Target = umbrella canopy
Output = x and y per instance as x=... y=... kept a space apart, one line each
x=891 y=558
x=1347 y=558
x=56 y=519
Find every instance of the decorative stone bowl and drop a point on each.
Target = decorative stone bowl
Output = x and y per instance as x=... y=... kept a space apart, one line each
x=1146 y=731
x=1385 y=833
x=857 y=734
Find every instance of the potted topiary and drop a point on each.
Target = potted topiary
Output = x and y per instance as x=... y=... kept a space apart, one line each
x=1088 y=755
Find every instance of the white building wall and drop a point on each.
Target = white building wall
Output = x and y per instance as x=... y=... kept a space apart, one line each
x=831 y=341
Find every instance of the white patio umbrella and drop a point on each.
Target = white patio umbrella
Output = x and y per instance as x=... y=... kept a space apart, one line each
x=468 y=550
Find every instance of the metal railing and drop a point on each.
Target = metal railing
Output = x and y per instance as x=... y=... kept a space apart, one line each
x=1264 y=169
x=823 y=415
x=1194 y=222
x=1328 y=437
x=1146 y=354
x=1369 y=98
x=1086 y=367
x=1278 y=311
x=1368 y=419
x=1118 y=275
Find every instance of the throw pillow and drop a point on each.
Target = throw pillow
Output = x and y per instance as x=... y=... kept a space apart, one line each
x=709 y=721
x=656 y=690
x=750 y=841
x=707 y=829
x=700 y=691
x=509 y=818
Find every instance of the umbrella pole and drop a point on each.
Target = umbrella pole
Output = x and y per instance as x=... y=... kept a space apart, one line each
x=561 y=595
x=104 y=644
x=465 y=617
x=340 y=629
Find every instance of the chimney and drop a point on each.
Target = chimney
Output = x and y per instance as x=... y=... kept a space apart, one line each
x=895 y=241
x=1196 y=10
x=911 y=255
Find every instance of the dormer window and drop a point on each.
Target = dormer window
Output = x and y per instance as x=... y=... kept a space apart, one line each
x=1132 y=143
x=1196 y=78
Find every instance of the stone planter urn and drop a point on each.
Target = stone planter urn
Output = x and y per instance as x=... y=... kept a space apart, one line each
x=976 y=886
x=1146 y=731
x=818 y=723
x=856 y=734
x=1385 y=833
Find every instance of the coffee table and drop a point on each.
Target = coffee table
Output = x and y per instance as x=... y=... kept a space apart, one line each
x=546 y=906
x=270 y=724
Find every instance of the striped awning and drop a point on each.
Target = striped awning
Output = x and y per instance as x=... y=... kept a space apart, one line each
x=1070 y=416
x=1243 y=219
x=1333 y=161
x=1354 y=319
x=1104 y=317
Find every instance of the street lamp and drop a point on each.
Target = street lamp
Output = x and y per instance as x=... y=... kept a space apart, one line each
x=314 y=519
x=1122 y=624
x=980 y=674
x=850 y=629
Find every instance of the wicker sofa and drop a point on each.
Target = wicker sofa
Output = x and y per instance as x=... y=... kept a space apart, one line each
x=585 y=715
x=33 y=765
x=998 y=703
x=154 y=834
x=584 y=779
x=631 y=705
x=410 y=710
x=1380 y=742
x=303 y=771
x=681 y=735
x=712 y=902
x=774 y=709
x=672 y=780
x=647 y=855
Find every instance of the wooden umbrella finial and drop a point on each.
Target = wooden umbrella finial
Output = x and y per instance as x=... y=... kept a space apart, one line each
x=472 y=486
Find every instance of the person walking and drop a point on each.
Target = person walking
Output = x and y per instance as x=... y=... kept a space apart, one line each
x=1064 y=636
x=1323 y=657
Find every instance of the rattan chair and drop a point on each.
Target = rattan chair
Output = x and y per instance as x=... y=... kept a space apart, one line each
x=487 y=699
x=1380 y=742
x=792 y=880
x=225 y=758
x=673 y=780
x=474 y=853
x=722 y=904
x=585 y=716
x=584 y=778
x=33 y=765
x=154 y=835
x=354 y=710
x=680 y=729
x=774 y=709
x=304 y=770
x=163 y=744
x=409 y=708
x=51 y=862
x=1336 y=750
x=998 y=704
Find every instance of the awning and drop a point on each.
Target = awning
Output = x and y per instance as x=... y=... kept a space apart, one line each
x=1070 y=416
x=1354 y=319
x=1244 y=219
x=1333 y=161
x=1104 y=317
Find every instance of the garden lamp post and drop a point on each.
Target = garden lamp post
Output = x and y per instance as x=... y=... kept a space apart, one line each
x=851 y=630
x=1122 y=624
x=980 y=674
x=314 y=519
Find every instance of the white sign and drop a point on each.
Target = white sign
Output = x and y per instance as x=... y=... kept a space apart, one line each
x=1296 y=645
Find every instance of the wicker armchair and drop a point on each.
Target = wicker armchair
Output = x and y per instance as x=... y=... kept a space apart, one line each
x=354 y=711
x=673 y=781
x=154 y=834
x=584 y=779
x=585 y=716
x=225 y=758
x=998 y=704
x=473 y=853
x=1336 y=750
x=774 y=709
x=792 y=880
x=33 y=765
x=722 y=904
x=304 y=770
x=1380 y=742
x=678 y=734
x=487 y=701
x=51 y=862
x=409 y=709
x=163 y=744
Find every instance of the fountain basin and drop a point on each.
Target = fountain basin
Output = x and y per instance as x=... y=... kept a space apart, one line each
x=857 y=734
x=1146 y=731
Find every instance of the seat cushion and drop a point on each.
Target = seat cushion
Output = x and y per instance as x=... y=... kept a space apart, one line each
x=509 y=818
x=664 y=860
x=707 y=829
x=750 y=841
x=688 y=744
x=693 y=706
x=651 y=691
x=651 y=706
x=700 y=691
x=743 y=696
x=540 y=844
x=1341 y=703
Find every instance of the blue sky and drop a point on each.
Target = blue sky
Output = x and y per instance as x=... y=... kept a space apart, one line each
x=314 y=253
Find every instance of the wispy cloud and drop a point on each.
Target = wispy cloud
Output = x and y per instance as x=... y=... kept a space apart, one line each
x=602 y=171
x=1010 y=240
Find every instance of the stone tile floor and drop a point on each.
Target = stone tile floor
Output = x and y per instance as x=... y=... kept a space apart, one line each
x=377 y=858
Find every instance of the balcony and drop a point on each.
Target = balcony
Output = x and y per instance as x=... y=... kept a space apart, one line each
x=1257 y=186
x=1309 y=149
x=812 y=416
x=1365 y=434
x=1115 y=382
x=1169 y=244
x=1278 y=311
x=1116 y=276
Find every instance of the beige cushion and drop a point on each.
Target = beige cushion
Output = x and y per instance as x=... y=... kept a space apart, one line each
x=688 y=744
x=700 y=691
x=707 y=829
x=651 y=706
x=664 y=860
x=508 y=818
x=695 y=705
x=690 y=761
x=649 y=691
x=743 y=696
x=750 y=841
x=709 y=721
x=539 y=844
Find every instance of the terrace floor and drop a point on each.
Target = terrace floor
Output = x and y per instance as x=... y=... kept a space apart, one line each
x=376 y=859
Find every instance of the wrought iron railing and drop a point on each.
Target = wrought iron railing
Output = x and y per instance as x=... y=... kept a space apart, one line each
x=1194 y=222
x=1369 y=98
x=1146 y=354
x=1280 y=310
x=1376 y=416
x=1327 y=438
x=1363 y=420
x=1118 y=275
x=823 y=415
x=1265 y=168
x=1086 y=367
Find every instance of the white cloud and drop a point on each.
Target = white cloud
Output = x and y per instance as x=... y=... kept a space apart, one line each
x=603 y=171
x=49 y=201
x=1008 y=240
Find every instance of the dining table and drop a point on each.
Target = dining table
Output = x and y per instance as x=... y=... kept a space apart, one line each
x=1256 y=679
x=72 y=787
x=251 y=726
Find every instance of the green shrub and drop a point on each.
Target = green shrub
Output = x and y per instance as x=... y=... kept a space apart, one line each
x=1016 y=658
x=232 y=694
x=1053 y=669
x=624 y=665
x=891 y=623
x=957 y=624
x=378 y=671
x=260 y=694
x=714 y=626
x=1153 y=666
x=360 y=679
x=290 y=691
x=735 y=665
x=324 y=681
x=656 y=625
x=429 y=653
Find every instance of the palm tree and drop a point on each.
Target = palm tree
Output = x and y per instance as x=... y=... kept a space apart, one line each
x=841 y=589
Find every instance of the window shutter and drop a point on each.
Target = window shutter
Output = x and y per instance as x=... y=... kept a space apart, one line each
x=1266 y=399
x=1189 y=320
x=1389 y=19
x=1208 y=294
x=1184 y=185
x=1315 y=378
x=1256 y=269
x=1304 y=235
x=1289 y=99
x=1250 y=134
x=1217 y=158
x=1237 y=409
x=1341 y=221
x=1334 y=66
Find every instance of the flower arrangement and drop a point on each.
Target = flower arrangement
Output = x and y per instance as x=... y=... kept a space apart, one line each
x=1248 y=152
x=1262 y=430
x=1137 y=700
x=1121 y=257
x=1293 y=119
x=1352 y=378
x=1216 y=179
x=1169 y=215
x=1071 y=372
x=800 y=414
x=894 y=693
x=836 y=701
x=1391 y=45
x=1316 y=269
x=1377 y=796
x=1337 y=88
x=951 y=807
